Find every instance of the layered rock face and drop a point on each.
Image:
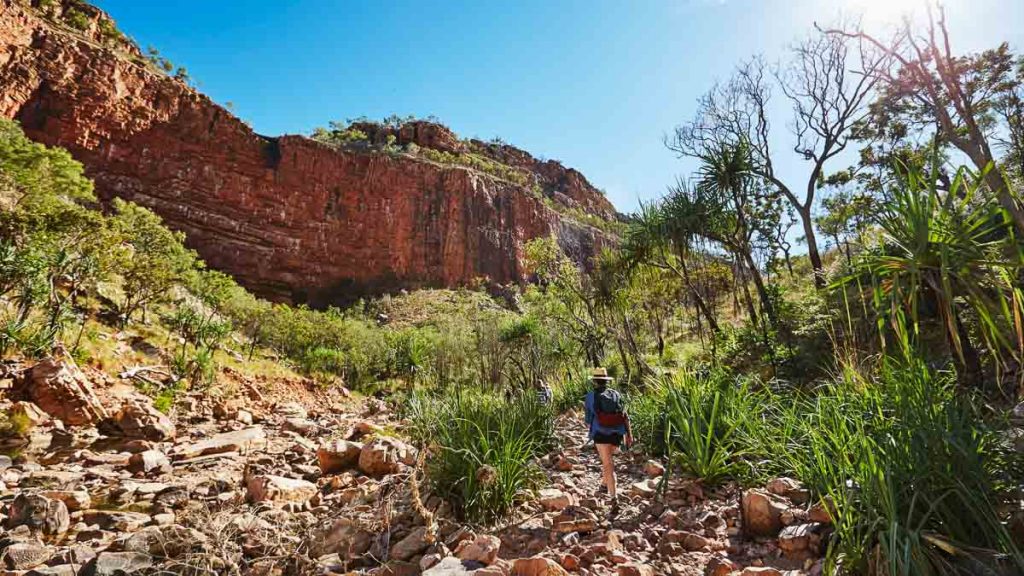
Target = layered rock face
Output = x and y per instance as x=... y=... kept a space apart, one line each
x=290 y=218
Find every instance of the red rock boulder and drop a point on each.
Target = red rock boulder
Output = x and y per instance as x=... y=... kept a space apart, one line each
x=59 y=388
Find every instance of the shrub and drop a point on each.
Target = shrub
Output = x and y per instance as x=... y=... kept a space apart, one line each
x=646 y=408
x=340 y=135
x=76 y=19
x=947 y=257
x=324 y=361
x=484 y=448
x=14 y=425
x=110 y=32
x=165 y=398
x=30 y=338
x=200 y=333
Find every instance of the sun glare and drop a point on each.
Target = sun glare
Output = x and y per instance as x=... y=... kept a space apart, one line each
x=884 y=11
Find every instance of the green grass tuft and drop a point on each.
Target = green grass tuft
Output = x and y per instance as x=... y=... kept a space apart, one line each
x=485 y=449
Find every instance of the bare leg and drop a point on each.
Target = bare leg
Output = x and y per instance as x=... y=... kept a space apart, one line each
x=605 y=452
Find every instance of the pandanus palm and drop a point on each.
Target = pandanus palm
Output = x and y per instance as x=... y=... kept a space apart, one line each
x=663 y=235
x=944 y=253
x=729 y=194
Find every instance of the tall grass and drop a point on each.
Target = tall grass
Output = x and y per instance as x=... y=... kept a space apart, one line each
x=908 y=464
x=916 y=474
x=646 y=410
x=485 y=448
x=694 y=420
x=570 y=393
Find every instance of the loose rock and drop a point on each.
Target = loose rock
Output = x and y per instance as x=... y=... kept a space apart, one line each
x=338 y=456
x=762 y=515
x=74 y=499
x=409 y=546
x=553 y=499
x=139 y=419
x=25 y=555
x=241 y=441
x=269 y=488
x=150 y=462
x=635 y=569
x=60 y=389
x=38 y=512
x=384 y=456
x=117 y=564
x=483 y=549
x=537 y=566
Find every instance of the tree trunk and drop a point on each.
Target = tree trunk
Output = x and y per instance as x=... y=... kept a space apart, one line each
x=812 y=246
x=625 y=359
x=745 y=291
x=995 y=180
x=762 y=290
x=702 y=306
x=970 y=363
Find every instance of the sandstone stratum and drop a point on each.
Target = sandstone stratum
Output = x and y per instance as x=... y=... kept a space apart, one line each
x=290 y=218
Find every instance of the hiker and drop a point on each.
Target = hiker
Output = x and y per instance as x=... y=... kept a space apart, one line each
x=544 y=394
x=609 y=427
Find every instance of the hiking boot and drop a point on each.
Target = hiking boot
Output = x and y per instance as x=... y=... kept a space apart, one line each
x=615 y=508
x=602 y=490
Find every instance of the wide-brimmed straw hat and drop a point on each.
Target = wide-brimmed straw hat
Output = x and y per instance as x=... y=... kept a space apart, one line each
x=600 y=375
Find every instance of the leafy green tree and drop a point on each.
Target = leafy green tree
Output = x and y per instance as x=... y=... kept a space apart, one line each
x=845 y=216
x=155 y=259
x=968 y=99
x=34 y=176
x=52 y=246
x=573 y=299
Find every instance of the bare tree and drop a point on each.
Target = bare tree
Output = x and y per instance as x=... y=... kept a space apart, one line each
x=956 y=94
x=827 y=99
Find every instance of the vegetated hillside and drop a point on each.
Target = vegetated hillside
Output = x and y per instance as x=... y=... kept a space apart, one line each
x=288 y=217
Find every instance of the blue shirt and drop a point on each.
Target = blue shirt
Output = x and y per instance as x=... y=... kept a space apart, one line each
x=591 y=417
x=544 y=395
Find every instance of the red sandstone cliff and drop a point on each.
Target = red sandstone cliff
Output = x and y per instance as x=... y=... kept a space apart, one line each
x=288 y=217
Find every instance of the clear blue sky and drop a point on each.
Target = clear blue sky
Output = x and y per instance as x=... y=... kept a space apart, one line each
x=594 y=83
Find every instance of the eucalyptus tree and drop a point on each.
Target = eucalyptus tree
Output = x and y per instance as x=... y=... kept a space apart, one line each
x=574 y=302
x=845 y=216
x=827 y=102
x=972 y=101
x=155 y=261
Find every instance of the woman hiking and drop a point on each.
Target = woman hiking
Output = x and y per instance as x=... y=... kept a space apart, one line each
x=609 y=427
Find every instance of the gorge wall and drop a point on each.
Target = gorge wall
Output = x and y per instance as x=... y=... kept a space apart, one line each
x=291 y=218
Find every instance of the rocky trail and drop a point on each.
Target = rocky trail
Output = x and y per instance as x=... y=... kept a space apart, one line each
x=258 y=483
